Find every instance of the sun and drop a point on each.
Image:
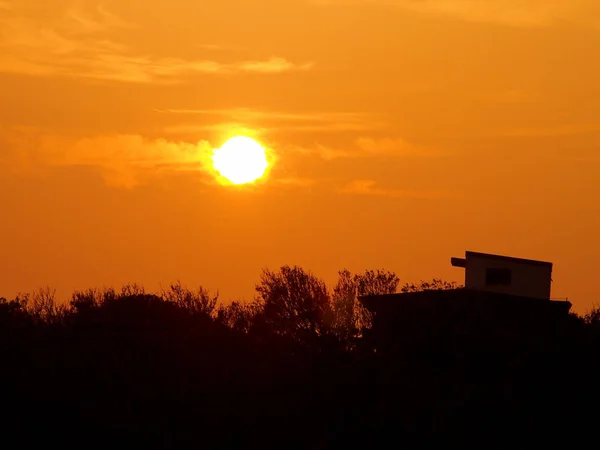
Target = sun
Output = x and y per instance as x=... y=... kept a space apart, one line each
x=240 y=160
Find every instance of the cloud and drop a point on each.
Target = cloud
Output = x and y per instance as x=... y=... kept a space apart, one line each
x=366 y=147
x=249 y=114
x=213 y=47
x=123 y=160
x=256 y=128
x=100 y=20
x=77 y=46
x=329 y=153
x=554 y=131
x=390 y=147
x=294 y=182
x=274 y=121
x=519 y=13
x=369 y=187
x=272 y=65
x=130 y=160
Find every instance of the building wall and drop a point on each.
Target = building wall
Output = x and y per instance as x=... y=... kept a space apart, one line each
x=527 y=280
x=470 y=319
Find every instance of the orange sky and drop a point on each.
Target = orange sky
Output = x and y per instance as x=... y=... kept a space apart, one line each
x=405 y=132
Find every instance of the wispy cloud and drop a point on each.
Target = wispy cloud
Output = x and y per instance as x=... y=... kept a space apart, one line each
x=213 y=47
x=392 y=147
x=295 y=182
x=78 y=47
x=97 y=20
x=255 y=114
x=273 y=121
x=366 y=147
x=130 y=160
x=554 y=131
x=369 y=187
x=520 y=13
x=273 y=65
x=123 y=160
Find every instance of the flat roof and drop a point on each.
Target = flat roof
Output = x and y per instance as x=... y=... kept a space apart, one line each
x=508 y=259
x=460 y=295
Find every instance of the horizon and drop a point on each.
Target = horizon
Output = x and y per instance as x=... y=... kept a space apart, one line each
x=452 y=284
x=397 y=135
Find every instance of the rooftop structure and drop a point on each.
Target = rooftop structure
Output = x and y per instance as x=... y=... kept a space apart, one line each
x=506 y=275
x=503 y=297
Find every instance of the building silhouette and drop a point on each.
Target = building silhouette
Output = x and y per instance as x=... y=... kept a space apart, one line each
x=506 y=275
x=504 y=300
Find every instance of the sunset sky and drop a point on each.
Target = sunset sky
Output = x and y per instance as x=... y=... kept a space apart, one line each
x=400 y=133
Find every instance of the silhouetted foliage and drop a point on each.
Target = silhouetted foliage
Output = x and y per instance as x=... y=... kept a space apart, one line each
x=290 y=369
x=239 y=316
x=199 y=302
x=85 y=301
x=434 y=285
x=296 y=303
x=42 y=305
x=351 y=318
x=592 y=317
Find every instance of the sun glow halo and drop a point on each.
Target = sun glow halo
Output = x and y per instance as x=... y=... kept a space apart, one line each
x=240 y=160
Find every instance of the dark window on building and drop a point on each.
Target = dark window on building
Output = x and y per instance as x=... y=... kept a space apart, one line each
x=498 y=277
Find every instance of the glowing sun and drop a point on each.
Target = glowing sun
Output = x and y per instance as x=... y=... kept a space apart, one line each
x=241 y=160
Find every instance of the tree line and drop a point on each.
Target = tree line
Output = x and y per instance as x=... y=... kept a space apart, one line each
x=177 y=369
x=290 y=301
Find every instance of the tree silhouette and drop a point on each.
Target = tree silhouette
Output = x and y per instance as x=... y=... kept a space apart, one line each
x=345 y=306
x=83 y=302
x=351 y=318
x=295 y=303
x=199 y=302
x=42 y=305
x=377 y=282
x=434 y=285
x=239 y=316
x=592 y=317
